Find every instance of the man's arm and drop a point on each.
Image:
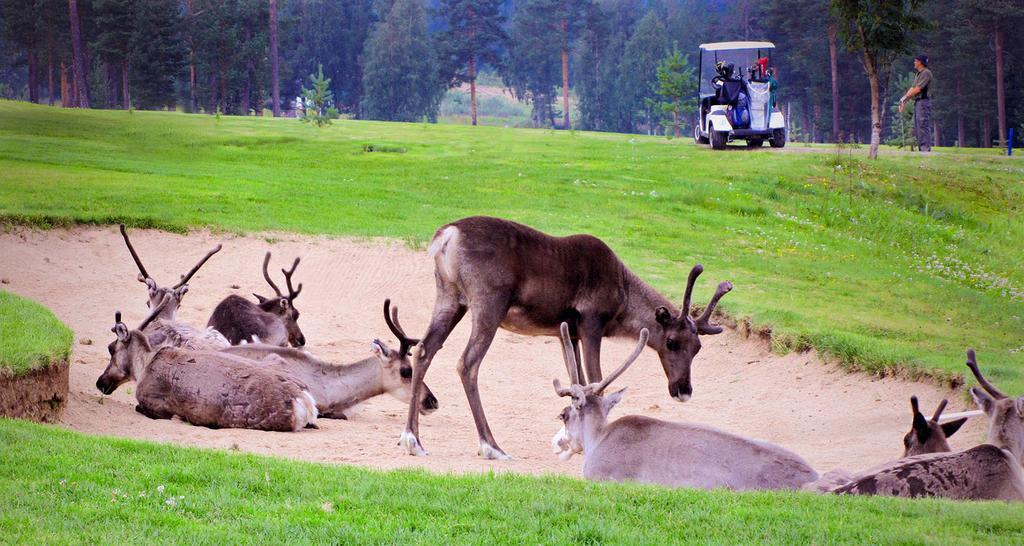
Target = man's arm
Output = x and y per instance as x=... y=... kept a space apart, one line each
x=911 y=93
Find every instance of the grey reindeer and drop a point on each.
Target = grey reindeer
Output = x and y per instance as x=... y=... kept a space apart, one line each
x=205 y=388
x=925 y=436
x=511 y=276
x=166 y=329
x=990 y=471
x=337 y=388
x=273 y=320
x=642 y=449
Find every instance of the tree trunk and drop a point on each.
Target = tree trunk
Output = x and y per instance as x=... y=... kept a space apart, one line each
x=33 y=76
x=871 y=67
x=675 y=123
x=275 y=83
x=961 y=130
x=986 y=132
x=565 y=88
x=110 y=84
x=65 y=87
x=472 y=89
x=1000 y=84
x=49 y=76
x=79 y=67
x=126 y=95
x=192 y=99
x=834 y=58
x=814 y=122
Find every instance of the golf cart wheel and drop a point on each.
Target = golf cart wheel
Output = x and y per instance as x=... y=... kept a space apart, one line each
x=697 y=137
x=778 y=139
x=719 y=139
x=755 y=142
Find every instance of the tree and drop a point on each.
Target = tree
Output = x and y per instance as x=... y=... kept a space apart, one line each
x=878 y=31
x=474 y=34
x=318 y=101
x=533 y=70
x=639 y=70
x=114 y=24
x=401 y=80
x=20 y=24
x=275 y=70
x=157 y=53
x=79 y=65
x=676 y=82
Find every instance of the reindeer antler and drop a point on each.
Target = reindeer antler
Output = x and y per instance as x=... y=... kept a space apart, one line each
x=156 y=311
x=143 y=275
x=292 y=293
x=939 y=410
x=391 y=318
x=266 y=275
x=629 y=361
x=185 y=278
x=704 y=325
x=569 y=355
x=690 y=281
x=972 y=363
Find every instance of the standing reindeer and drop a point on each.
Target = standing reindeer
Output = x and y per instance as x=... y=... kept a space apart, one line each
x=166 y=329
x=338 y=388
x=642 y=449
x=273 y=320
x=205 y=388
x=514 y=277
x=989 y=471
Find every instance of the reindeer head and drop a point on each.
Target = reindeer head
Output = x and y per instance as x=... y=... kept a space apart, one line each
x=284 y=306
x=928 y=436
x=127 y=351
x=1005 y=414
x=589 y=408
x=157 y=293
x=678 y=340
x=395 y=365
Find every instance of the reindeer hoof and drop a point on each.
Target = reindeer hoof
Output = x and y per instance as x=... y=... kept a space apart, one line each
x=488 y=451
x=411 y=443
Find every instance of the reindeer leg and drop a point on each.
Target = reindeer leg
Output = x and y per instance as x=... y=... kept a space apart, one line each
x=590 y=334
x=447 y=313
x=485 y=325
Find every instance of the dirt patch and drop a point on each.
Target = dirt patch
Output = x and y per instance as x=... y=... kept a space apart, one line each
x=832 y=418
x=37 y=395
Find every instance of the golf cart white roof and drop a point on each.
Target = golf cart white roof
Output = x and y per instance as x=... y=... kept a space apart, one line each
x=726 y=46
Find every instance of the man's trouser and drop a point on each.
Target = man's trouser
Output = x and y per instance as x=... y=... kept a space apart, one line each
x=923 y=124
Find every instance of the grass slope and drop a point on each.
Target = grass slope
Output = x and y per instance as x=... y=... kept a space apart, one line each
x=62 y=487
x=30 y=336
x=897 y=263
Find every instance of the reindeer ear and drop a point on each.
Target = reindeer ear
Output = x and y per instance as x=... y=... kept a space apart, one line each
x=663 y=316
x=151 y=285
x=260 y=298
x=180 y=291
x=951 y=427
x=380 y=349
x=921 y=428
x=284 y=304
x=1019 y=405
x=121 y=331
x=612 y=399
x=983 y=400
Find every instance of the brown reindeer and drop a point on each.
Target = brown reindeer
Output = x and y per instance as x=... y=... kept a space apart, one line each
x=165 y=329
x=338 y=388
x=514 y=277
x=991 y=471
x=205 y=388
x=928 y=435
x=642 y=449
x=274 y=320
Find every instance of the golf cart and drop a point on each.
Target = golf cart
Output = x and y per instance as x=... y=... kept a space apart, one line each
x=735 y=96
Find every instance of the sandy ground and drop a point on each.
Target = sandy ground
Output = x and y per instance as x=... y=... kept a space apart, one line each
x=832 y=418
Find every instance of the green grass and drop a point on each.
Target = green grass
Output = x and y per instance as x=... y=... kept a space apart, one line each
x=894 y=264
x=30 y=336
x=62 y=487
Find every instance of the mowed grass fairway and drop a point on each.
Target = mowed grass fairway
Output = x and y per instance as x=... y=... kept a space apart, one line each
x=899 y=263
x=62 y=487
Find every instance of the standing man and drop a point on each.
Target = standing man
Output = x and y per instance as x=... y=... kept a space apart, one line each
x=922 y=103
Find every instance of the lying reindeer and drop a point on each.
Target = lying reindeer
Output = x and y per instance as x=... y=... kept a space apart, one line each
x=337 y=388
x=166 y=329
x=643 y=449
x=273 y=321
x=925 y=436
x=989 y=471
x=205 y=388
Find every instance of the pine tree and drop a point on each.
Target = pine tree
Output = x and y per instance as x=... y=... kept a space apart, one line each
x=473 y=35
x=20 y=26
x=157 y=53
x=114 y=22
x=401 y=79
x=639 y=70
x=676 y=82
x=318 y=101
x=534 y=69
